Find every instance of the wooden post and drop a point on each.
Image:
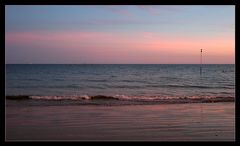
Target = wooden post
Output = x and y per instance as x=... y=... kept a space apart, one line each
x=201 y=63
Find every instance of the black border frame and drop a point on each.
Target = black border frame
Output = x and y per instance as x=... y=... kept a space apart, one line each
x=129 y=2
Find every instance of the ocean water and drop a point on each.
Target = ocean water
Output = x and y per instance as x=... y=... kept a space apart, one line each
x=121 y=84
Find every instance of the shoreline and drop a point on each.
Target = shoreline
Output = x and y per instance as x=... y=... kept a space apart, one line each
x=103 y=100
x=165 y=122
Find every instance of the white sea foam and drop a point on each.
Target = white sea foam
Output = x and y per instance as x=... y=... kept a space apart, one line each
x=137 y=98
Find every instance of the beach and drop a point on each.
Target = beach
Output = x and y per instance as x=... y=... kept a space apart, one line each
x=120 y=73
x=163 y=122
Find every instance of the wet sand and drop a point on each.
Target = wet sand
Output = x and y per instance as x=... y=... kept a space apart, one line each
x=165 y=122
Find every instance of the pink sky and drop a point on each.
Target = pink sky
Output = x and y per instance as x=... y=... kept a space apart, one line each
x=121 y=47
x=120 y=34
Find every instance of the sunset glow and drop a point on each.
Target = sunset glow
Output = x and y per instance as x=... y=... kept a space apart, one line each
x=120 y=34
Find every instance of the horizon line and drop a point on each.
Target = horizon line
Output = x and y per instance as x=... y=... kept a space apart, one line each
x=113 y=63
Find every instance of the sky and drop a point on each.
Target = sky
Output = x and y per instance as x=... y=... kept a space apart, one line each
x=119 y=34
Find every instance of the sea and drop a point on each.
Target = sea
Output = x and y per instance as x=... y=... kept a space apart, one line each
x=119 y=84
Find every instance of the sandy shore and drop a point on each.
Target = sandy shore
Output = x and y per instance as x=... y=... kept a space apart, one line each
x=166 y=122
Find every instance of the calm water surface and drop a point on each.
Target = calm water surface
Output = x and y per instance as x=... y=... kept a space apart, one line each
x=124 y=82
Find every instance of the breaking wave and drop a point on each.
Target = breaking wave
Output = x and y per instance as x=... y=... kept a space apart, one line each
x=126 y=99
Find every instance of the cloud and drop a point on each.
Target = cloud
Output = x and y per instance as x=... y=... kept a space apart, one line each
x=149 y=41
x=157 y=10
x=153 y=10
x=119 y=10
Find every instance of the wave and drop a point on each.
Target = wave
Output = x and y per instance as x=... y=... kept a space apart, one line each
x=190 y=86
x=18 y=97
x=127 y=99
x=95 y=80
